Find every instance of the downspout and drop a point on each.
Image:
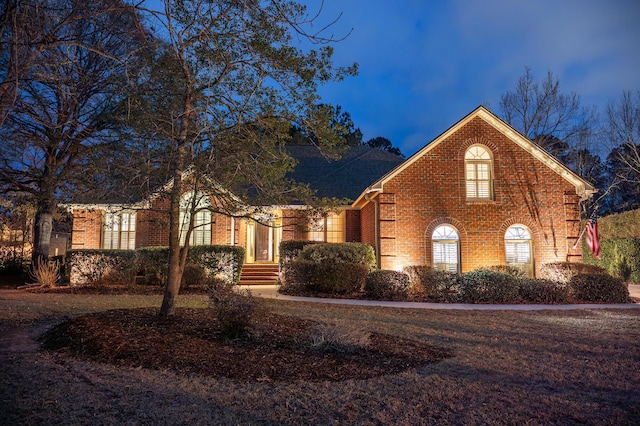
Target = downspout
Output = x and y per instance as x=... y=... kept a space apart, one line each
x=376 y=210
x=233 y=231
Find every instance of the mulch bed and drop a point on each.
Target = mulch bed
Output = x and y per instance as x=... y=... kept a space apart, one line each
x=278 y=349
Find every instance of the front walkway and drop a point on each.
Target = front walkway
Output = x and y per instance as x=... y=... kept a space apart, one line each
x=271 y=292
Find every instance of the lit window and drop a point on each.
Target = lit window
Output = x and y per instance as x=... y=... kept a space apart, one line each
x=445 y=243
x=329 y=229
x=200 y=204
x=119 y=231
x=517 y=243
x=477 y=163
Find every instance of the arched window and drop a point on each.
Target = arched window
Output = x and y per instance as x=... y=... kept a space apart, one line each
x=518 y=248
x=478 y=173
x=446 y=248
x=199 y=203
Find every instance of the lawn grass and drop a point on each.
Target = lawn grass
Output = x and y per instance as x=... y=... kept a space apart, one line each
x=509 y=367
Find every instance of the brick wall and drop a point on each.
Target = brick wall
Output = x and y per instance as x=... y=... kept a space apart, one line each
x=87 y=229
x=431 y=192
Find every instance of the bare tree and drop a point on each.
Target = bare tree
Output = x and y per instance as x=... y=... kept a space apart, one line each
x=63 y=71
x=541 y=112
x=623 y=129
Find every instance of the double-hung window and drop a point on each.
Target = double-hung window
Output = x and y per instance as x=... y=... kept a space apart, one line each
x=119 y=230
x=198 y=204
x=517 y=244
x=478 y=173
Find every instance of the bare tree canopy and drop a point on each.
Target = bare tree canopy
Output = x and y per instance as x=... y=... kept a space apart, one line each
x=63 y=74
x=541 y=112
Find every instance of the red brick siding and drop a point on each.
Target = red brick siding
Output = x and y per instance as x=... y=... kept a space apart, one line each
x=87 y=229
x=352 y=227
x=432 y=191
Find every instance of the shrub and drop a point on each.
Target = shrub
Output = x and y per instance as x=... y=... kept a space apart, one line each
x=599 y=288
x=514 y=271
x=441 y=286
x=357 y=253
x=233 y=309
x=290 y=250
x=153 y=264
x=90 y=266
x=562 y=272
x=335 y=278
x=629 y=248
x=387 y=285
x=483 y=286
x=297 y=277
x=220 y=261
x=11 y=261
x=543 y=291
x=619 y=266
x=45 y=272
x=192 y=275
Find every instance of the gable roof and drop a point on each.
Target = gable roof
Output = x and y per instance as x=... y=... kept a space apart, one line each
x=583 y=188
x=346 y=177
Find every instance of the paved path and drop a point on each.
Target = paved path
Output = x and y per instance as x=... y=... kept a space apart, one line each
x=270 y=292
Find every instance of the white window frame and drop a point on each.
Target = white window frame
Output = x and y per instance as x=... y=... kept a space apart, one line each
x=478 y=173
x=201 y=233
x=519 y=248
x=119 y=230
x=445 y=246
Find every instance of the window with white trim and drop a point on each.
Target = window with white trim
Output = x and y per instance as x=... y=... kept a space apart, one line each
x=478 y=173
x=517 y=244
x=446 y=247
x=328 y=229
x=119 y=230
x=199 y=203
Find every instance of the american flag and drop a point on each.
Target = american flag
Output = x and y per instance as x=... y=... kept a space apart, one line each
x=593 y=239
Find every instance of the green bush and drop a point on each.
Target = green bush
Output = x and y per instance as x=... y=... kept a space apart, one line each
x=153 y=264
x=611 y=252
x=91 y=266
x=297 y=277
x=358 y=253
x=220 y=261
x=387 y=285
x=562 y=272
x=290 y=250
x=484 y=286
x=599 y=288
x=336 y=278
x=432 y=285
x=192 y=275
x=509 y=270
x=543 y=291
x=233 y=309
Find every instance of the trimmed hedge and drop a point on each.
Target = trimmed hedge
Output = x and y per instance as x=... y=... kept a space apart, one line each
x=483 y=286
x=303 y=276
x=599 y=288
x=290 y=250
x=562 y=272
x=543 y=291
x=88 y=266
x=611 y=253
x=387 y=285
x=431 y=284
x=357 y=253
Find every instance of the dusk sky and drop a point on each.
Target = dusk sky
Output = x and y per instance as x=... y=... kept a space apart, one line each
x=426 y=64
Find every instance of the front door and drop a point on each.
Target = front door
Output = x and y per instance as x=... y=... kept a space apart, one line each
x=264 y=243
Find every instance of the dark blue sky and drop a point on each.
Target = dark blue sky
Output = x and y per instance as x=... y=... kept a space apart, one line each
x=425 y=64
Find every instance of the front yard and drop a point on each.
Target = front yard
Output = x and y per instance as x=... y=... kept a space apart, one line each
x=501 y=367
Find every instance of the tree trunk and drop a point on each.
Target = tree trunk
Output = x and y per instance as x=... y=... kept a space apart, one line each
x=42 y=234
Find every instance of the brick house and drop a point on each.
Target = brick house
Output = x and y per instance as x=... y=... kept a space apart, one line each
x=480 y=194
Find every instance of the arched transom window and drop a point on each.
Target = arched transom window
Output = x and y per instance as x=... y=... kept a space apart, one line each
x=518 y=248
x=446 y=248
x=478 y=173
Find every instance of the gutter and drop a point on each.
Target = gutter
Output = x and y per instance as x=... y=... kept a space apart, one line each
x=376 y=209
